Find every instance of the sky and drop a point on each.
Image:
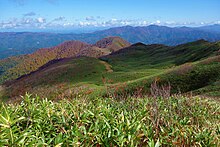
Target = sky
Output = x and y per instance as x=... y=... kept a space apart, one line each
x=42 y=15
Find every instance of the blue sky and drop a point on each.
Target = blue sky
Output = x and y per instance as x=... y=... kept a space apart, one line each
x=73 y=14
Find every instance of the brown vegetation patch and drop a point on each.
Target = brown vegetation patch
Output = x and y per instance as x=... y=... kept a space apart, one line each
x=108 y=67
x=211 y=59
x=183 y=69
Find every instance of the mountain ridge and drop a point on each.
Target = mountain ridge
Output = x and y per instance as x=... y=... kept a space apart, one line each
x=28 y=42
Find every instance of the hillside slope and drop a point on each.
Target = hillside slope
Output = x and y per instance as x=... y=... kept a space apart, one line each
x=57 y=77
x=181 y=66
x=14 y=67
x=141 y=56
x=132 y=68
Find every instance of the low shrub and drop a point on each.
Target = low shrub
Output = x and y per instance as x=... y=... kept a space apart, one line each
x=174 y=121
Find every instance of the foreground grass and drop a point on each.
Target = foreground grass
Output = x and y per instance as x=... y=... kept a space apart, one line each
x=174 y=121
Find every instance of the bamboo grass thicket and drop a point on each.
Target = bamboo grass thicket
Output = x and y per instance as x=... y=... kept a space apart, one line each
x=84 y=121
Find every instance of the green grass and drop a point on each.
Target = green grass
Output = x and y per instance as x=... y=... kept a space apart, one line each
x=60 y=78
x=83 y=121
x=212 y=90
x=199 y=78
x=138 y=58
x=140 y=65
x=129 y=76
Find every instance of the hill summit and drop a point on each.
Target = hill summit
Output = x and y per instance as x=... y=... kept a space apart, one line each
x=112 y=43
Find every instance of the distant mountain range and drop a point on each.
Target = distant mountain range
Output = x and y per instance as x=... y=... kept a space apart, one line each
x=12 y=43
x=211 y=28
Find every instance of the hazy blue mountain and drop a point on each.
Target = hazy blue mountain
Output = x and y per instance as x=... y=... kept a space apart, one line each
x=211 y=28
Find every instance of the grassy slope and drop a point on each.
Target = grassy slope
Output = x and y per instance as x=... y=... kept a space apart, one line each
x=200 y=77
x=137 y=65
x=60 y=77
x=213 y=89
x=162 y=62
x=14 y=67
x=140 y=56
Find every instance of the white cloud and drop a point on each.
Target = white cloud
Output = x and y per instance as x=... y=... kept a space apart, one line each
x=217 y=22
x=41 y=20
x=158 y=21
x=88 y=24
x=114 y=22
x=144 y=23
x=35 y=22
x=170 y=22
x=68 y=24
x=24 y=22
x=114 y=19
